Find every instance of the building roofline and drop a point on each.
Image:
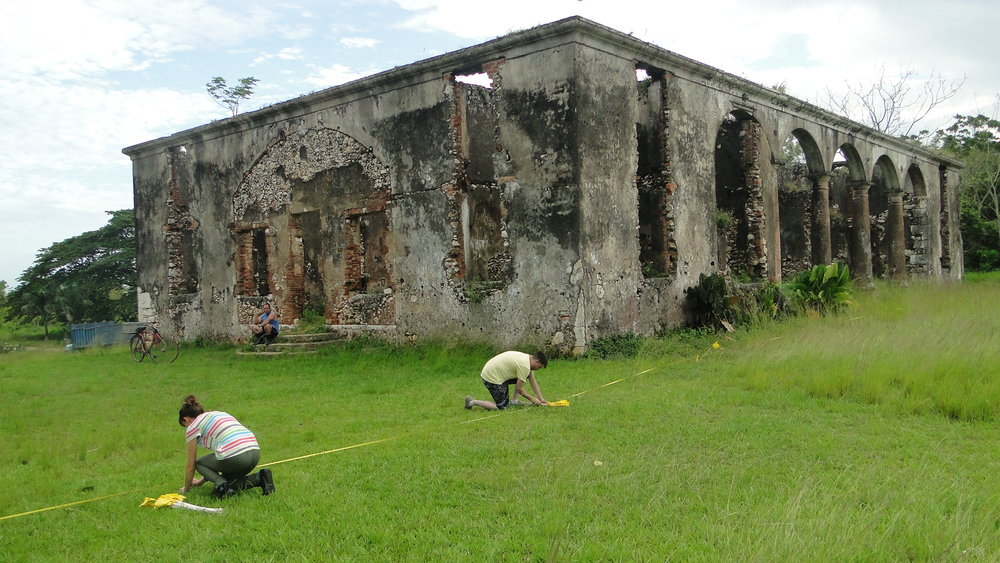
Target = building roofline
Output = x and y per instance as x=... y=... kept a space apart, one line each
x=455 y=61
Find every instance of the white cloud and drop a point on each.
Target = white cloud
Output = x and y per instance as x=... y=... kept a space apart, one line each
x=334 y=75
x=65 y=126
x=358 y=42
x=64 y=167
x=820 y=44
x=110 y=36
x=287 y=54
x=478 y=20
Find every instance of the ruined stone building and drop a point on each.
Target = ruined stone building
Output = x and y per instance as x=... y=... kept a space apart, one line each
x=576 y=193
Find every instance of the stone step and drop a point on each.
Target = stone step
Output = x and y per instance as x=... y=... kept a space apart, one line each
x=286 y=346
x=270 y=352
x=307 y=337
x=291 y=342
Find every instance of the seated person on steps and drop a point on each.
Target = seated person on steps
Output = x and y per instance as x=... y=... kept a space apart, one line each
x=267 y=326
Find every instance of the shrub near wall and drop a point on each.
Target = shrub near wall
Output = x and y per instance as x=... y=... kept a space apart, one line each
x=718 y=304
x=823 y=288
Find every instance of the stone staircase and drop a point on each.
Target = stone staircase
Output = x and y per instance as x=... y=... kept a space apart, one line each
x=291 y=342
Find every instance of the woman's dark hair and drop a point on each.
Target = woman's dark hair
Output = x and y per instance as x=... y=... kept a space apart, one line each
x=190 y=408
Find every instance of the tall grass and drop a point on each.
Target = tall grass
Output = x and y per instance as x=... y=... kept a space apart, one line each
x=924 y=349
x=832 y=439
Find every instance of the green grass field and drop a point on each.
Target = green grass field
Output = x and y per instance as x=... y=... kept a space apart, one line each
x=869 y=436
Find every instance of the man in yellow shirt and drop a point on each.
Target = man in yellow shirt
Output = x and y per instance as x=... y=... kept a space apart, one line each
x=504 y=369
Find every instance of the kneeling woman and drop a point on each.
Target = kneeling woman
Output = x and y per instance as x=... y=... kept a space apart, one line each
x=235 y=449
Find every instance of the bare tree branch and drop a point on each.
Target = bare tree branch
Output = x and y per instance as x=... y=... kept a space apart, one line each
x=893 y=105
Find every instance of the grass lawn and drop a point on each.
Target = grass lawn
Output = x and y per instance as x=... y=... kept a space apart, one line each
x=867 y=436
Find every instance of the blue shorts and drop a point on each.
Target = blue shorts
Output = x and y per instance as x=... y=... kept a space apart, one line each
x=500 y=392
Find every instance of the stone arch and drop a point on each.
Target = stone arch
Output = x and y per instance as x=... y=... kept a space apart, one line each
x=914 y=182
x=915 y=220
x=854 y=164
x=298 y=157
x=321 y=196
x=746 y=199
x=850 y=223
x=803 y=204
x=885 y=201
x=811 y=151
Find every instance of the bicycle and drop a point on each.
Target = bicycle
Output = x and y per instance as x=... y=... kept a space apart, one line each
x=148 y=342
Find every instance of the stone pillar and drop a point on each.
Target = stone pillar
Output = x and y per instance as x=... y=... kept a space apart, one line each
x=897 y=238
x=860 y=243
x=822 y=248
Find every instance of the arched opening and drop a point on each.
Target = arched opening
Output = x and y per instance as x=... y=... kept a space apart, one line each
x=849 y=219
x=803 y=204
x=885 y=209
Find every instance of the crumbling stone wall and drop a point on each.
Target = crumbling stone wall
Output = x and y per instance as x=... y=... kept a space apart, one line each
x=565 y=201
x=179 y=231
x=796 y=214
x=915 y=209
x=336 y=191
x=840 y=216
x=740 y=196
x=297 y=156
x=657 y=242
x=945 y=234
x=479 y=262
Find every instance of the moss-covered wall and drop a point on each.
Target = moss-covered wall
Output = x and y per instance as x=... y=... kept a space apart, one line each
x=566 y=200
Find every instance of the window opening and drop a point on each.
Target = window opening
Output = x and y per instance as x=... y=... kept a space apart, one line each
x=258 y=256
x=477 y=79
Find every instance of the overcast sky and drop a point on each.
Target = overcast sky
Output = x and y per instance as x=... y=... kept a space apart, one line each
x=81 y=79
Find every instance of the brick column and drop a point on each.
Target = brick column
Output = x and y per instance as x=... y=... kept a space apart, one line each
x=860 y=233
x=822 y=248
x=897 y=238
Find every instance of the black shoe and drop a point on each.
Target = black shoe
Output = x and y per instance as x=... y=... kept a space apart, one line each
x=223 y=491
x=266 y=481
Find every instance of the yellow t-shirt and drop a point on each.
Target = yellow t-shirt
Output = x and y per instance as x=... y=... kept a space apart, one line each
x=506 y=366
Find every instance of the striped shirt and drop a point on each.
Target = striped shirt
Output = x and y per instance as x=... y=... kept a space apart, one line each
x=220 y=432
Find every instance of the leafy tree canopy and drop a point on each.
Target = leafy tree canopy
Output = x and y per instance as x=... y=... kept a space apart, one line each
x=968 y=134
x=89 y=277
x=229 y=96
x=976 y=140
x=4 y=310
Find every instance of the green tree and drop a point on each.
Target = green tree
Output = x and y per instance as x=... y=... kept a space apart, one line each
x=89 y=277
x=37 y=306
x=976 y=141
x=229 y=96
x=4 y=310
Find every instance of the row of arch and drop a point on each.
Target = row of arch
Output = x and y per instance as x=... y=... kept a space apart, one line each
x=780 y=212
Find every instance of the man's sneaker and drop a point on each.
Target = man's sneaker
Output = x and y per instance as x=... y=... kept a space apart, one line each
x=266 y=481
x=468 y=402
x=517 y=403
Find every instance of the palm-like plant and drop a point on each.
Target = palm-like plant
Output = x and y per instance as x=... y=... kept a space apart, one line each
x=823 y=288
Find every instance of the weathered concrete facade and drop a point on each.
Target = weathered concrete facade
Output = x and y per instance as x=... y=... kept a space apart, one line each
x=576 y=196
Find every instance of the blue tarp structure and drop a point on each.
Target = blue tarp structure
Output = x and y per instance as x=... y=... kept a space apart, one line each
x=101 y=334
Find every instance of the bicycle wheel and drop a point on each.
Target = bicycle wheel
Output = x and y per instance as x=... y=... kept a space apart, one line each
x=135 y=344
x=164 y=350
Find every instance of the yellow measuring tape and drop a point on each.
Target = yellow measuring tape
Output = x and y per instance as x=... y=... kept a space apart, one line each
x=344 y=448
x=70 y=504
